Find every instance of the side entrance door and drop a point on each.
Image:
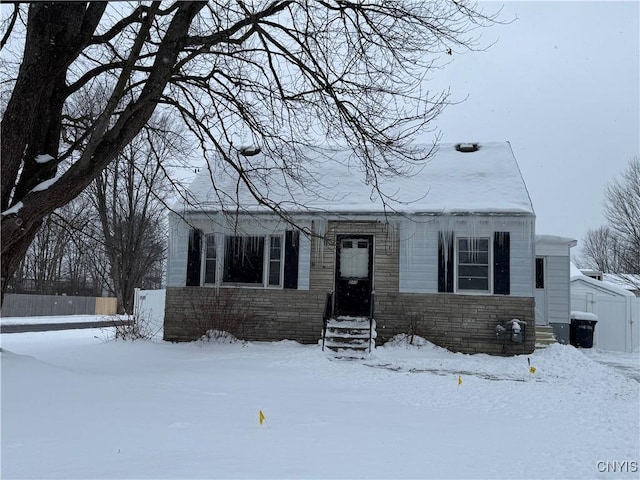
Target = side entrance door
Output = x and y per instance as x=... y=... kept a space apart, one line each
x=354 y=275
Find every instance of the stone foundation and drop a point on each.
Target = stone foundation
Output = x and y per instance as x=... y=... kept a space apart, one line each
x=250 y=314
x=460 y=323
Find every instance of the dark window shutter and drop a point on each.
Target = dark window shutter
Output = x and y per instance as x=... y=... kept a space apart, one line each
x=501 y=276
x=445 y=262
x=291 y=243
x=193 y=258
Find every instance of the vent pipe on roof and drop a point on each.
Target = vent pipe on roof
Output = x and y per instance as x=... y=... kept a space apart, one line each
x=249 y=151
x=467 y=147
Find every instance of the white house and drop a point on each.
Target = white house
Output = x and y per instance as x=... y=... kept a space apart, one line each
x=450 y=257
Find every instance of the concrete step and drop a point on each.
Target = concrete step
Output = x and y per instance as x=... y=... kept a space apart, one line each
x=348 y=354
x=346 y=342
x=545 y=336
x=544 y=328
x=347 y=338
x=347 y=333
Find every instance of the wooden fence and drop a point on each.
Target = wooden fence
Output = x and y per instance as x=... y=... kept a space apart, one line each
x=27 y=305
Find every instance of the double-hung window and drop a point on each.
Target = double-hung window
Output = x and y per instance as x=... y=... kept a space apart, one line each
x=474 y=265
x=210 y=256
x=275 y=261
x=473 y=270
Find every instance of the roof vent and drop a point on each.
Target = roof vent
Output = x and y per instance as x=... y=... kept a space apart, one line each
x=249 y=151
x=467 y=147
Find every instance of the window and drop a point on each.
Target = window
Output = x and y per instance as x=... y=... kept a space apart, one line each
x=249 y=260
x=473 y=273
x=354 y=258
x=244 y=260
x=210 y=259
x=539 y=272
x=275 y=260
x=474 y=264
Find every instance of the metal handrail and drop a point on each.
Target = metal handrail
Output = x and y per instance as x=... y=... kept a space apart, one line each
x=372 y=308
x=328 y=313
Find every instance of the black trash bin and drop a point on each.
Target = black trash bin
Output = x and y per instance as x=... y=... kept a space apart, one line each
x=582 y=328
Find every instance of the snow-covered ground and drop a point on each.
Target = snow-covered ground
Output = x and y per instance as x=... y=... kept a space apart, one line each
x=75 y=405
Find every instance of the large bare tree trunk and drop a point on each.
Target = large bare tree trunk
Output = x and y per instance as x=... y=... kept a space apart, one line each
x=57 y=33
x=31 y=124
x=11 y=260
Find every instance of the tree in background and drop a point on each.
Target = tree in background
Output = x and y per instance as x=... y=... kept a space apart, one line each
x=600 y=250
x=622 y=211
x=112 y=238
x=278 y=74
x=129 y=198
x=615 y=247
x=59 y=260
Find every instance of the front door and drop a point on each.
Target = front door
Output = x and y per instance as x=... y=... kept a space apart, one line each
x=354 y=275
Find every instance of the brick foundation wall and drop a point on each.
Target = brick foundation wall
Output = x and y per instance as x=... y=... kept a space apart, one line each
x=461 y=323
x=250 y=314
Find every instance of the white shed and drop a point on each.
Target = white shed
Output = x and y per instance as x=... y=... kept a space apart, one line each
x=552 y=290
x=618 y=312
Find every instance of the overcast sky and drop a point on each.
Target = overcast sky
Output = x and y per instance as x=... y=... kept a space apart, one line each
x=562 y=84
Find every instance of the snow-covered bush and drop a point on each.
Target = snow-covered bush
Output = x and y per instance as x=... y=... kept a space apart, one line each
x=219 y=336
x=405 y=339
x=218 y=310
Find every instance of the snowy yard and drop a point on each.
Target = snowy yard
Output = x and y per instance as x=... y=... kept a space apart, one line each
x=77 y=406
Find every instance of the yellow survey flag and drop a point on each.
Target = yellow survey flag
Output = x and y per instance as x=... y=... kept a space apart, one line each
x=459 y=380
x=261 y=417
x=532 y=370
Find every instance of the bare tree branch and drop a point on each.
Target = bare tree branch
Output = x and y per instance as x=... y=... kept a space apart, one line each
x=11 y=24
x=615 y=248
x=278 y=75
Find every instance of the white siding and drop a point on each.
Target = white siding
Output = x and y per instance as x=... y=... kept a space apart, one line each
x=179 y=245
x=522 y=259
x=419 y=257
x=177 y=252
x=557 y=288
x=304 y=262
x=419 y=249
x=179 y=242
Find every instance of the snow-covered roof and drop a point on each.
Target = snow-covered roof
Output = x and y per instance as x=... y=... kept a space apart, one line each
x=628 y=281
x=575 y=271
x=553 y=245
x=611 y=283
x=556 y=240
x=600 y=285
x=484 y=181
